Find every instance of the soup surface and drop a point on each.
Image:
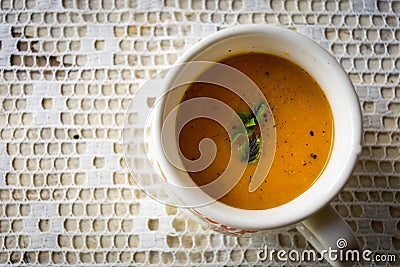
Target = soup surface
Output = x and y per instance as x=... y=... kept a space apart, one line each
x=304 y=131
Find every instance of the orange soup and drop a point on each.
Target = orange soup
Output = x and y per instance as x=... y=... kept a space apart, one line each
x=304 y=131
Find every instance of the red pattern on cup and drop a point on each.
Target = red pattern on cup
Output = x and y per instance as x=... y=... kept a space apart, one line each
x=222 y=228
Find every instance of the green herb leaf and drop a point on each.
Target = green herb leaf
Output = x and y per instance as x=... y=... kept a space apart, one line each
x=250 y=123
x=250 y=131
x=244 y=116
x=250 y=151
x=254 y=150
x=259 y=111
x=244 y=152
x=236 y=135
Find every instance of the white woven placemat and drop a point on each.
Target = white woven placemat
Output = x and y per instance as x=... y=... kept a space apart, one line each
x=68 y=70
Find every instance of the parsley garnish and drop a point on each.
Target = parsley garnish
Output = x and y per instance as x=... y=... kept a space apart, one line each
x=250 y=151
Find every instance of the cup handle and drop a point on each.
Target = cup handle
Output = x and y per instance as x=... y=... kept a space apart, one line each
x=327 y=231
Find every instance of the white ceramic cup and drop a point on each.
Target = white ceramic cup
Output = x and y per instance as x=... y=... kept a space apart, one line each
x=310 y=212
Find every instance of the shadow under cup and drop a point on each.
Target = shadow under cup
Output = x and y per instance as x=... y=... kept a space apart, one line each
x=344 y=105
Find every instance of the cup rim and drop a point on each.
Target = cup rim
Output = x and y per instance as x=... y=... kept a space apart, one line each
x=311 y=200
